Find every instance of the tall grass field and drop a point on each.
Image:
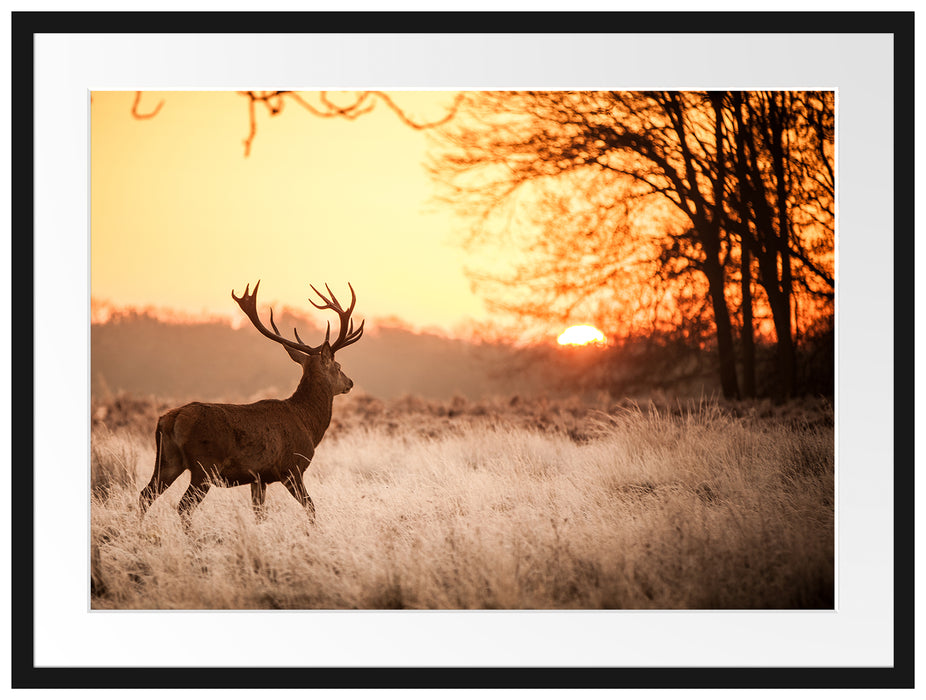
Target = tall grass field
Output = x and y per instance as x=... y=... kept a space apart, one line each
x=516 y=504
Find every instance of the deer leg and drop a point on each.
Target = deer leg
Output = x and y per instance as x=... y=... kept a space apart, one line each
x=148 y=495
x=191 y=498
x=159 y=484
x=294 y=484
x=168 y=465
x=258 y=494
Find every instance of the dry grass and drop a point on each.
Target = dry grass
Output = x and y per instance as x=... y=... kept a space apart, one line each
x=516 y=504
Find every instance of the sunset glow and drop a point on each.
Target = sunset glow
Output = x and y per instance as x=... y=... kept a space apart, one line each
x=176 y=192
x=580 y=335
x=222 y=188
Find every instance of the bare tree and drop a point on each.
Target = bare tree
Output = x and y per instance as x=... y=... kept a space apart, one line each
x=258 y=443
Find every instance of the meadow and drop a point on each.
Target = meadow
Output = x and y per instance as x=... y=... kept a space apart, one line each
x=512 y=504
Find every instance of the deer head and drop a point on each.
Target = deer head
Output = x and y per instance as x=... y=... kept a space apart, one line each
x=315 y=360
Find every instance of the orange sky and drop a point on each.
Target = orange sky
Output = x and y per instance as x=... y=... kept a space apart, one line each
x=179 y=216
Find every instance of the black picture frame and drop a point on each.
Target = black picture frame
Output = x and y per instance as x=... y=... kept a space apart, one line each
x=25 y=673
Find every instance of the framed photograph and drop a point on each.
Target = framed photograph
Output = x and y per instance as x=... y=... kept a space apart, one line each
x=593 y=324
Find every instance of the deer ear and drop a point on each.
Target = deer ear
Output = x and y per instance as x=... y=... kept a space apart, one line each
x=297 y=357
x=327 y=354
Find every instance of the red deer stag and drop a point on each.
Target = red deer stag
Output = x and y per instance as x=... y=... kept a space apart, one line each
x=257 y=443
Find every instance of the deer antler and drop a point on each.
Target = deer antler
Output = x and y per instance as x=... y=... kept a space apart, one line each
x=346 y=335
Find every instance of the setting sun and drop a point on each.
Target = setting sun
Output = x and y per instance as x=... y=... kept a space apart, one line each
x=580 y=335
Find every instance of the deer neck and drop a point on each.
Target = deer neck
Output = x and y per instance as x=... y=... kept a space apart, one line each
x=312 y=401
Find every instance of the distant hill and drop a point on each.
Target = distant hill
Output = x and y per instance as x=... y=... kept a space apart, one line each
x=147 y=354
x=138 y=353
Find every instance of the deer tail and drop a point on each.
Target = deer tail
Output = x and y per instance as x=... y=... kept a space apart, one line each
x=157 y=448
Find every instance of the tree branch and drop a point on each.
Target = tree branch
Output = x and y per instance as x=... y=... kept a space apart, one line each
x=149 y=115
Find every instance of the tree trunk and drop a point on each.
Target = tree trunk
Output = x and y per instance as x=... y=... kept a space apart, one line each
x=781 y=314
x=747 y=337
x=715 y=280
x=782 y=308
x=743 y=211
x=714 y=267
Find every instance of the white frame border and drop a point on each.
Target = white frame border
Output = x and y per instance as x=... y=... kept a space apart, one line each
x=859 y=634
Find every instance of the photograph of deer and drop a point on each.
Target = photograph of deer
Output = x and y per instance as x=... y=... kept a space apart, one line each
x=597 y=367
x=259 y=443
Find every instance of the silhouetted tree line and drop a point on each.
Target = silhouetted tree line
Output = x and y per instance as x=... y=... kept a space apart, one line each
x=701 y=219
